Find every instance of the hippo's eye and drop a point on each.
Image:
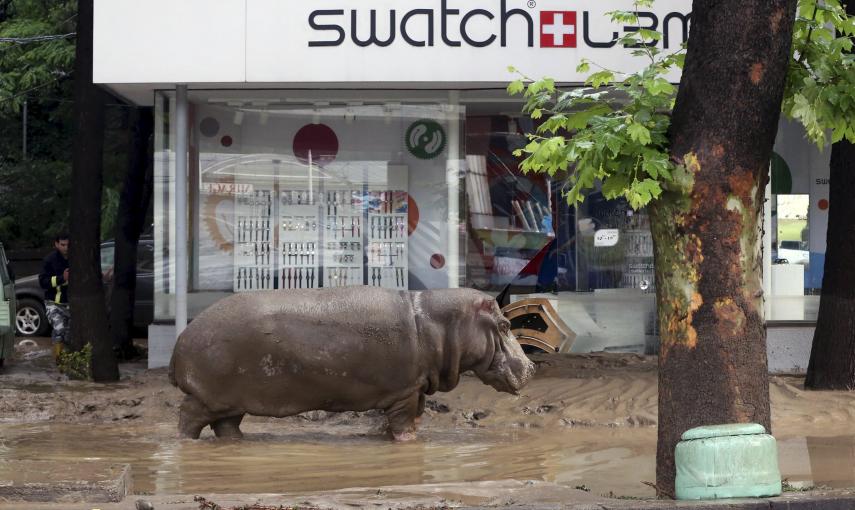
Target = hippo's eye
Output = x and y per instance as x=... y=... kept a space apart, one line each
x=504 y=327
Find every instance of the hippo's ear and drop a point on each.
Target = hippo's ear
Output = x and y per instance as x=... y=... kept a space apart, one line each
x=484 y=306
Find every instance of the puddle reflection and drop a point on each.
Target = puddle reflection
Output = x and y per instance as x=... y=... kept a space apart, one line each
x=605 y=460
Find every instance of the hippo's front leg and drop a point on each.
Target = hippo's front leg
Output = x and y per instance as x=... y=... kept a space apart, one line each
x=402 y=418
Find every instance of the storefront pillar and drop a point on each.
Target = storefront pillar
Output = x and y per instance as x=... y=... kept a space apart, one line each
x=767 y=252
x=453 y=182
x=181 y=241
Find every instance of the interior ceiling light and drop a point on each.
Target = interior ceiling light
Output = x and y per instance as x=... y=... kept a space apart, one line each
x=389 y=109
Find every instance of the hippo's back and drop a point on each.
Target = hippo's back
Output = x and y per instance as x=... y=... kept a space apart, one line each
x=259 y=345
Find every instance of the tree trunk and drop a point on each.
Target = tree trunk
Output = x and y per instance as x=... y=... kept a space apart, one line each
x=89 y=311
x=130 y=223
x=707 y=226
x=832 y=356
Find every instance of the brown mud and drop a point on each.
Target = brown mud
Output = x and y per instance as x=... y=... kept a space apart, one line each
x=586 y=421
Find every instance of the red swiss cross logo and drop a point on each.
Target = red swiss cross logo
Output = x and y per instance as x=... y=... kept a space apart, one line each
x=557 y=29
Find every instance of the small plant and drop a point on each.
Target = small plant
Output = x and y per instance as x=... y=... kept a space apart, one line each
x=76 y=364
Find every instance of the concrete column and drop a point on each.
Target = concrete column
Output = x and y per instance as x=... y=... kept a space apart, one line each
x=453 y=182
x=181 y=241
x=767 y=252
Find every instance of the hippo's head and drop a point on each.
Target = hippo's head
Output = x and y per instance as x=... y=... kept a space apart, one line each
x=508 y=368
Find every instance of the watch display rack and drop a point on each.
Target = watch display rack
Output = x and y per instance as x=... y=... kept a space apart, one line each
x=343 y=241
x=305 y=239
x=387 y=240
x=253 y=250
x=300 y=237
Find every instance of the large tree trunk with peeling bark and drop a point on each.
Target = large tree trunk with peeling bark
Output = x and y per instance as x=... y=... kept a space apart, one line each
x=832 y=357
x=86 y=292
x=707 y=225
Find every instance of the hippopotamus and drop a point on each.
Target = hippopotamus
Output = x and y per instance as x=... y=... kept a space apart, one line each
x=283 y=352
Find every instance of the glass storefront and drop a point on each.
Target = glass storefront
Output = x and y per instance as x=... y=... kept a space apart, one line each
x=414 y=190
x=797 y=225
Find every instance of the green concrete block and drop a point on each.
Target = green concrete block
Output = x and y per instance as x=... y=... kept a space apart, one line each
x=727 y=461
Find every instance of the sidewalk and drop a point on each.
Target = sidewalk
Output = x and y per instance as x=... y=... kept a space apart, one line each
x=495 y=494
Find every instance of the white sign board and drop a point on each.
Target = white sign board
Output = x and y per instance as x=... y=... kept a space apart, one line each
x=347 y=41
x=606 y=237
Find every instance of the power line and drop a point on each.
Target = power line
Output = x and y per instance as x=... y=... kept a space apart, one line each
x=36 y=38
x=19 y=94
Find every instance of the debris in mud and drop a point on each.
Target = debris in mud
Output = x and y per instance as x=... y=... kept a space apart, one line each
x=204 y=504
x=640 y=421
x=437 y=407
x=570 y=422
x=475 y=415
x=142 y=504
x=544 y=409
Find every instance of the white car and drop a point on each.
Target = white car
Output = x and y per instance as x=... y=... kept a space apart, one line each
x=794 y=252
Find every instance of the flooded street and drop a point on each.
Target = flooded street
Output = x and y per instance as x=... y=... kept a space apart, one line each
x=603 y=460
x=584 y=421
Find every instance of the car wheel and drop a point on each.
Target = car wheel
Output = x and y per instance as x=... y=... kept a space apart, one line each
x=31 y=319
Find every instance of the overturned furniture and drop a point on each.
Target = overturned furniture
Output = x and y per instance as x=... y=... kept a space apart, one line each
x=535 y=323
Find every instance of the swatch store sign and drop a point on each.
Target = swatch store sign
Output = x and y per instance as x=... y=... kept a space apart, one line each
x=468 y=41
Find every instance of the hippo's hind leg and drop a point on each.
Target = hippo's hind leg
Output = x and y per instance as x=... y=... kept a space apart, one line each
x=228 y=428
x=402 y=418
x=193 y=416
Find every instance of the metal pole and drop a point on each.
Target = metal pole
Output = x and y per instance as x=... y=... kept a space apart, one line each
x=767 y=251
x=181 y=240
x=453 y=182
x=24 y=134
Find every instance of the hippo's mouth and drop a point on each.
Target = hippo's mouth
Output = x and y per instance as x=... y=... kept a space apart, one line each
x=510 y=369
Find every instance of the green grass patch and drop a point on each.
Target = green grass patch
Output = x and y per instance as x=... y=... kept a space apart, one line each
x=791 y=230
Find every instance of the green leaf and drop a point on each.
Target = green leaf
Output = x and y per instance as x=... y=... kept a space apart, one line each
x=615 y=186
x=639 y=133
x=650 y=35
x=516 y=87
x=580 y=120
x=659 y=86
x=600 y=78
x=613 y=142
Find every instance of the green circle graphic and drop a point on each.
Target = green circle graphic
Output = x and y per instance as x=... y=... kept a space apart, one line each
x=425 y=139
x=782 y=177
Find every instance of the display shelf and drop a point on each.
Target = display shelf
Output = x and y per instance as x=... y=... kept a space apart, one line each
x=344 y=222
x=300 y=228
x=321 y=238
x=387 y=250
x=254 y=248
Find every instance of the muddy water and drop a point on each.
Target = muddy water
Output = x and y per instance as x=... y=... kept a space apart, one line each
x=604 y=460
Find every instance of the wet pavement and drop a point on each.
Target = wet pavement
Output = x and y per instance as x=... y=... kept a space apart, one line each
x=602 y=461
x=587 y=423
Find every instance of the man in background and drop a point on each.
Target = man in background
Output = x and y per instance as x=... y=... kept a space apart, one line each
x=54 y=280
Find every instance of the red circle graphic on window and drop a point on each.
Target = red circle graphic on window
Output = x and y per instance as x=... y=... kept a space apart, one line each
x=320 y=140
